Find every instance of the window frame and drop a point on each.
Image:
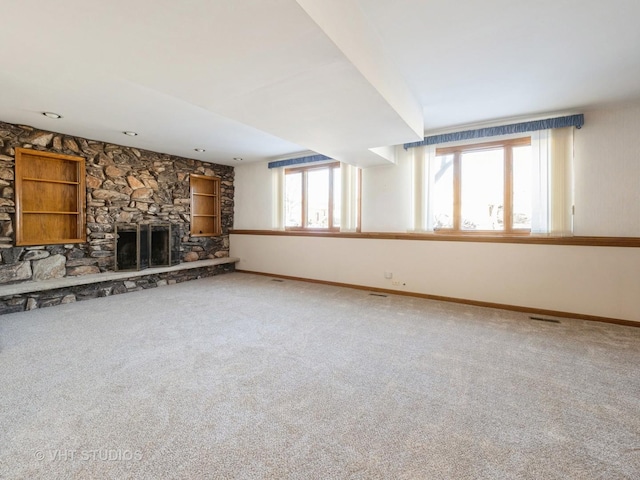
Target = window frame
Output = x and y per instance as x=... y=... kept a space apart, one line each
x=304 y=187
x=457 y=152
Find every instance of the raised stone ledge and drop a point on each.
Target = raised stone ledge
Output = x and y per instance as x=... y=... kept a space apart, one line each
x=56 y=283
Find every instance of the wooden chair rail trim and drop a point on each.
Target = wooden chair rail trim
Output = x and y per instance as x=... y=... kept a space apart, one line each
x=585 y=241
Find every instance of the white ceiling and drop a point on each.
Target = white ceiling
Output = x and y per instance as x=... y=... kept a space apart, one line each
x=267 y=79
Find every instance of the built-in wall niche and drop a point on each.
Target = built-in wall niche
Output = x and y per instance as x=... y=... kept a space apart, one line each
x=50 y=198
x=205 y=206
x=144 y=245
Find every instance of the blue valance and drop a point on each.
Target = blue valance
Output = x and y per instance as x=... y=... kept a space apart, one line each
x=297 y=161
x=558 y=122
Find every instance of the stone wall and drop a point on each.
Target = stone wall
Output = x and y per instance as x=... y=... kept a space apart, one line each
x=123 y=184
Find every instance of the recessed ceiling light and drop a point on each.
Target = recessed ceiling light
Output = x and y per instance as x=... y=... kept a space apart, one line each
x=131 y=134
x=237 y=159
x=52 y=115
x=199 y=150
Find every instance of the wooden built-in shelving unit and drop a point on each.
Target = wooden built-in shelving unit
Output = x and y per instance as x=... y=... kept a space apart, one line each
x=205 y=206
x=50 y=198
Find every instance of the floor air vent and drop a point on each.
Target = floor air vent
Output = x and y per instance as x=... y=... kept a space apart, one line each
x=377 y=294
x=277 y=280
x=540 y=319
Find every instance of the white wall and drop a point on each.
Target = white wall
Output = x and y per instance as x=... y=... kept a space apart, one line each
x=607 y=173
x=602 y=281
x=386 y=197
x=253 y=201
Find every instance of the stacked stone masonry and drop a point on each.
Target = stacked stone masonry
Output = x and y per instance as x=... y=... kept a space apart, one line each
x=123 y=184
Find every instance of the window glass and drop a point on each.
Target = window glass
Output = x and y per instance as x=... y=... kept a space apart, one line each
x=442 y=198
x=318 y=198
x=482 y=188
x=313 y=197
x=337 y=196
x=522 y=194
x=293 y=200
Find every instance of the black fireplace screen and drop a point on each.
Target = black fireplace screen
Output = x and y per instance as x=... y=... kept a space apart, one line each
x=139 y=246
x=160 y=242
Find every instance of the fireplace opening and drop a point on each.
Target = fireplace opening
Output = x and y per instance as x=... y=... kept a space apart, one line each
x=176 y=239
x=127 y=250
x=165 y=244
x=139 y=246
x=143 y=247
x=160 y=246
x=132 y=246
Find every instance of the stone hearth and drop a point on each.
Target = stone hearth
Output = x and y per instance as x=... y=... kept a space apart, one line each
x=38 y=294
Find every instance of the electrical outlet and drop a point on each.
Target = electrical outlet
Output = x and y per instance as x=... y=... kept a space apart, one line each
x=388 y=275
x=398 y=283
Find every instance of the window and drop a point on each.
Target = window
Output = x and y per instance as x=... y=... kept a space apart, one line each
x=50 y=198
x=506 y=186
x=312 y=197
x=482 y=188
x=205 y=206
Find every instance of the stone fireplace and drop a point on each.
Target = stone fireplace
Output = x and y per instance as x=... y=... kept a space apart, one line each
x=124 y=185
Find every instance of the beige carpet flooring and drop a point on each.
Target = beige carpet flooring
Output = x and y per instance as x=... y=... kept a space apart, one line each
x=240 y=376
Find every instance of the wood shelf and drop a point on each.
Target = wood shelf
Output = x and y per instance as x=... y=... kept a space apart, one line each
x=45 y=180
x=48 y=212
x=204 y=194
